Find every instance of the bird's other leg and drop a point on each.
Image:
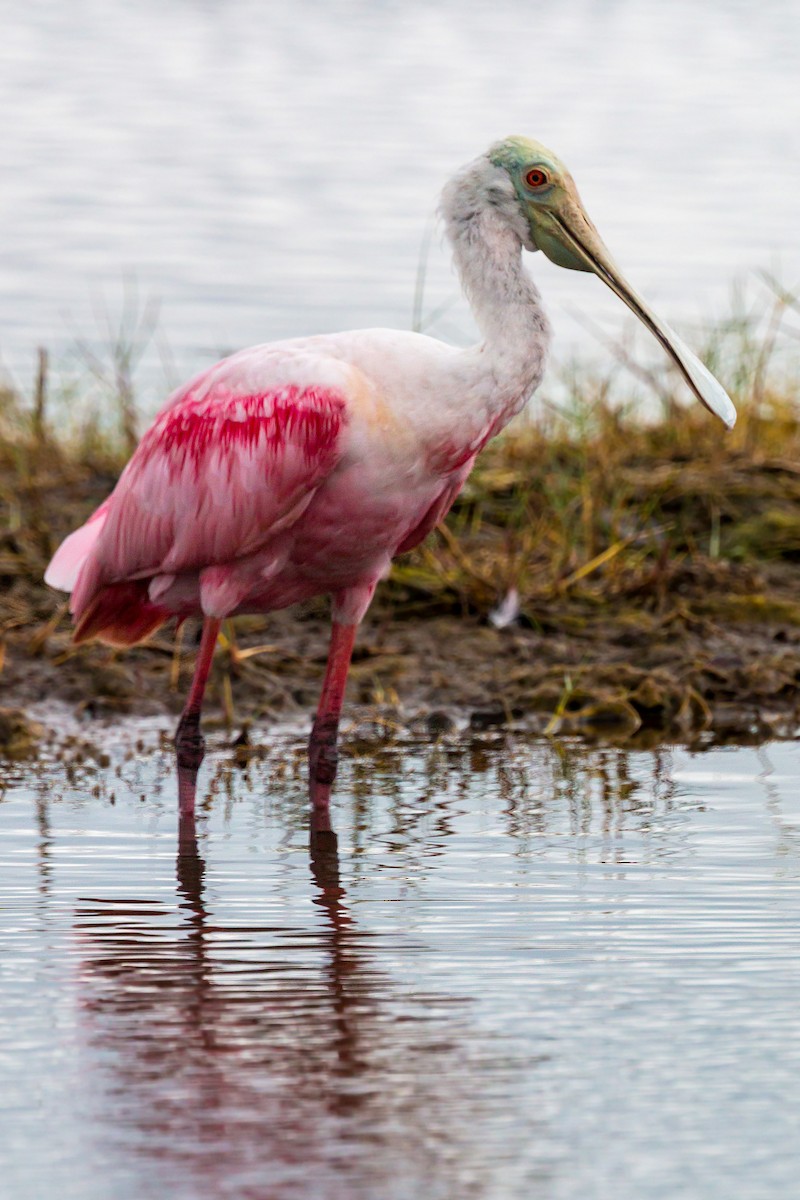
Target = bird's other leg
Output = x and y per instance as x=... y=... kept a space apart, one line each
x=323 y=754
x=189 y=742
x=348 y=608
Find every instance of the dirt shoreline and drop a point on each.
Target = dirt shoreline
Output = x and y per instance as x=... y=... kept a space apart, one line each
x=636 y=683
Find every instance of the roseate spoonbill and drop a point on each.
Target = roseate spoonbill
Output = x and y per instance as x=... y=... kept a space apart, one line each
x=304 y=466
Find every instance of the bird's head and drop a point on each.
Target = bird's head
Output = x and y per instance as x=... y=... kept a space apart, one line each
x=557 y=224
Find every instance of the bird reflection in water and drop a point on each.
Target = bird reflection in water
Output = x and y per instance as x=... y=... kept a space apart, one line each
x=240 y=1055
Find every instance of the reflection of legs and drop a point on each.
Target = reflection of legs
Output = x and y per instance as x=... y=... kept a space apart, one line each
x=322 y=750
x=189 y=741
x=190 y=867
x=324 y=853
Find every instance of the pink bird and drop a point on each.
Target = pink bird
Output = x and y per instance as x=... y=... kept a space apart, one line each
x=305 y=466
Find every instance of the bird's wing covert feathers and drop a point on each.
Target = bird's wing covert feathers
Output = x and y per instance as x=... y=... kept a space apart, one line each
x=216 y=475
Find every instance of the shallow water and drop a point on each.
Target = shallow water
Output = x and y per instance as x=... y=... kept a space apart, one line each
x=528 y=970
x=267 y=170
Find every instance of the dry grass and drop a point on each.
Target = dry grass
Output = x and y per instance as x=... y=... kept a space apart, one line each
x=620 y=511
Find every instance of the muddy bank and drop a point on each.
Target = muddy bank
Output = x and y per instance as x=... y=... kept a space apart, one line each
x=658 y=677
x=648 y=578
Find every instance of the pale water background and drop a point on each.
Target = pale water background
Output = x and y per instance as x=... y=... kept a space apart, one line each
x=267 y=169
x=533 y=971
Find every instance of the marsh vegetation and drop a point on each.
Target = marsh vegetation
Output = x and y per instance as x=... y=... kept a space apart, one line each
x=612 y=568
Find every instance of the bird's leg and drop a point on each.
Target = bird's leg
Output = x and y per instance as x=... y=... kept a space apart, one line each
x=189 y=742
x=322 y=751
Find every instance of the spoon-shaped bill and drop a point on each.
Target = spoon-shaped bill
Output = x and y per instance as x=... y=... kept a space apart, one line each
x=709 y=391
x=576 y=234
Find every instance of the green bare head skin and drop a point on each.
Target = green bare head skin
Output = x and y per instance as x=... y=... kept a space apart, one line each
x=561 y=229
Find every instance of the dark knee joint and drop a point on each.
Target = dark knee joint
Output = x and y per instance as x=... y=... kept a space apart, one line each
x=323 y=752
x=189 y=741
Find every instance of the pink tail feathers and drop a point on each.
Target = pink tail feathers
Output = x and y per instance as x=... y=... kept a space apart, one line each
x=117 y=613
x=66 y=563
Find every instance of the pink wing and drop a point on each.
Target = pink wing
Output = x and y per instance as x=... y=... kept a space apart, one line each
x=223 y=468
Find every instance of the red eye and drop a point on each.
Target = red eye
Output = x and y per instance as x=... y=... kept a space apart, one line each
x=536 y=178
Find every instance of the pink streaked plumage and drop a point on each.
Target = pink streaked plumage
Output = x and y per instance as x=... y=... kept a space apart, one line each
x=304 y=467
x=213 y=482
